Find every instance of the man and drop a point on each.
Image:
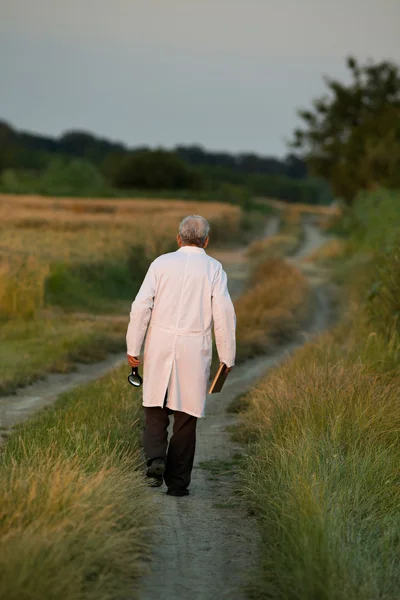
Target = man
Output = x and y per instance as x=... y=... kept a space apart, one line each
x=183 y=294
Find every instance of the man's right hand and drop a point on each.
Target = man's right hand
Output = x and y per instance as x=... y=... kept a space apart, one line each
x=133 y=361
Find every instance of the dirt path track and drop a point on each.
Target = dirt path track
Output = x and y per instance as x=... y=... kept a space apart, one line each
x=28 y=400
x=205 y=545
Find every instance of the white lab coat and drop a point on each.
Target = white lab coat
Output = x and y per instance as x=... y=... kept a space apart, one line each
x=182 y=295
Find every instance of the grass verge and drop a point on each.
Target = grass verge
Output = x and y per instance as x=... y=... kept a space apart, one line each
x=323 y=433
x=322 y=476
x=273 y=308
x=29 y=349
x=74 y=523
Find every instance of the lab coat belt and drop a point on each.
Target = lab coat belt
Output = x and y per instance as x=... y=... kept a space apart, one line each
x=184 y=333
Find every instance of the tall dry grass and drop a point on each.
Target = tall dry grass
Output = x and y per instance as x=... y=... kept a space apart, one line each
x=22 y=286
x=276 y=246
x=272 y=309
x=74 y=509
x=285 y=243
x=322 y=476
x=321 y=469
x=327 y=254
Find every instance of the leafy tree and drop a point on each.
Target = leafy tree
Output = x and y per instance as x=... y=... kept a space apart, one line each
x=74 y=177
x=156 y=169
x=351 y=135
x=85 y=145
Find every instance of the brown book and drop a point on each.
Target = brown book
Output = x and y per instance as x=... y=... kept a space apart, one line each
x=219 y=379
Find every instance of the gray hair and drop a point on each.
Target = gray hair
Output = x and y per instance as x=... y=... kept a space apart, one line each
x=194 y=230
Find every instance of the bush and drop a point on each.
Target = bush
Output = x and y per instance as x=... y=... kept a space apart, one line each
x=374 y=220
x=235 y=194
x=76 y=177
x=383 y=303
x=154 y=170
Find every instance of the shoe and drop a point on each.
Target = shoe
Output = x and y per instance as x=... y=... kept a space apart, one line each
x=156 y=467
x=155 y=472
x=178 y=493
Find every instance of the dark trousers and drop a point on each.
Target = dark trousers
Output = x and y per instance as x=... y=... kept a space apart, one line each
x=179 y=455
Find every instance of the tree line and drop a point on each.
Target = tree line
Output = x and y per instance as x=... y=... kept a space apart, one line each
x=80 y=163
x=350 y=140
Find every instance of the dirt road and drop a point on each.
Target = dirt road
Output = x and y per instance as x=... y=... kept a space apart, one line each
x=205 y=544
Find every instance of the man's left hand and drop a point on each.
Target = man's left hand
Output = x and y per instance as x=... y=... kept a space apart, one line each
x=133 y=361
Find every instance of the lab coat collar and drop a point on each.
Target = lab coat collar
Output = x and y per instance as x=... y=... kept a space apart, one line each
x=191 y=249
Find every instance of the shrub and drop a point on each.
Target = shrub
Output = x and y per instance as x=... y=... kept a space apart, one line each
x=156 y=169
x=374 y=220
x=383 y=303
x=77 y=177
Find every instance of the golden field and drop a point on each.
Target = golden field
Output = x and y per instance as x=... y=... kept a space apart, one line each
x=75 y=228
x=38 y=232
x=66 y=261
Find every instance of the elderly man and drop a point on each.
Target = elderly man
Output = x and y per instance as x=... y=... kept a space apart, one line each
x=183 y=294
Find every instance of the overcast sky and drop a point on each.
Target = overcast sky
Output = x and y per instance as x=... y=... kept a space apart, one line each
x=227 y=74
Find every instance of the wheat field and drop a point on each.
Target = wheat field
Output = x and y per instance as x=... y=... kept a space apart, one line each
x=81 y=229
x=65 y=261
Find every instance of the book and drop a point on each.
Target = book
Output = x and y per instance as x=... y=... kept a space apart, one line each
x=219 y=379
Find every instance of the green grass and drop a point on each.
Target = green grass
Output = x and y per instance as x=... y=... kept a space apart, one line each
x=98 y=287
x=321 y=469
x=374 y=220
x=30 y=349
x=74 y=507
x=322 y=476
x=80 y=323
